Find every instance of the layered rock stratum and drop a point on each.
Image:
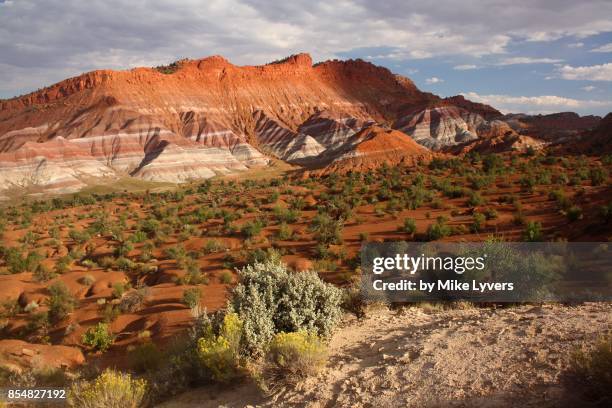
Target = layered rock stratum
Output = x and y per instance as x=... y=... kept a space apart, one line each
x=198 y=118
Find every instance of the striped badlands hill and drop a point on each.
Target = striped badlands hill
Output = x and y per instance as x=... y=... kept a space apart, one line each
x=197 y=118
x=375 y=146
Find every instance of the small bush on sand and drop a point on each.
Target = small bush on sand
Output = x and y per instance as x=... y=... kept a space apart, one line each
x=226 y=278
x=478 y=222
x=191 y=297
x=409 y=226
x=293 y=356
x=145 y=357
x=533 y=232
x=591 y=370
x=110 y=389
x=326 y=229
x=134 y=300
x=598 y=176
x=284 y=232
x=270 y=300
x=87 y=280
x=574 y=213
x=98 y=337
x=438 y=230
x=60 y=301
x=43 y=273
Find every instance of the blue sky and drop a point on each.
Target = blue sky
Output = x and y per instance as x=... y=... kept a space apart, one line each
x=529 y=69
x=534 y=56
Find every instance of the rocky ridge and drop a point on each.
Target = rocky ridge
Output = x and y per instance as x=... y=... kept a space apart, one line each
x=206 y=117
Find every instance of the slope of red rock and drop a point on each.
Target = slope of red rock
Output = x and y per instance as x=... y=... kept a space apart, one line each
x=205 y=117
x=556 y=127
x=375 y=146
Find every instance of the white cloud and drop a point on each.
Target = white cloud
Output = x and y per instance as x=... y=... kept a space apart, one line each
x=59 y=36
x=434 y=80
x=465 y=67
x=538 y=104
x=576 y=45
x=603 y=48
x=588 y=88
x=527 y=60
x=601 y=72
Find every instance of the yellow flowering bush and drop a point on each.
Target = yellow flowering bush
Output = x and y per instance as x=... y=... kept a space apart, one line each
x=110 y=389
x=293 y=356
x=219 y=353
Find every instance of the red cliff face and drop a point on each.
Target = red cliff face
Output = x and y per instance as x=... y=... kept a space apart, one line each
x=197 y=118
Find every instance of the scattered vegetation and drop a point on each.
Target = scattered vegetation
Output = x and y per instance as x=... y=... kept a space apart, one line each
x=110 y=389
x=590 y=371
x=98 y=337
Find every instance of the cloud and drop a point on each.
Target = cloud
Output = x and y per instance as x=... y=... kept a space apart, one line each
x=576 y=45
x=434 y=80
x=538 y=104
x=601 y=72
x=527 y=60
x=72 y=36
x=588 y=88
x=465 y=67
x=603 y=48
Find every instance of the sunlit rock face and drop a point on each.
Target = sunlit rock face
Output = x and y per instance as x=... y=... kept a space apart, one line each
x=206 y=117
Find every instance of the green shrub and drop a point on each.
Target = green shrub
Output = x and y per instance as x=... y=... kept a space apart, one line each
x=226 y=278
x=10 y=308
x=123 y=248
x=591 y=370
x=326 y=229
x=284 y=232
x=212 y=246
x=605 y=213
x=119 y=289
x=533 y=232
x=574 y=213
x=475 y=199
x=438 y=230
x=269 y=299
x=191 y=297
x=490 y=213
x=125 y=264
x=478 y=222
x=17 y=263
x=39 y=323
x=139 y=236
x=492 y=164
x=43 y=273
x=560 y=197
x=145 y=357
x=80 y=237
x=598 y=176
x=294 y=356
x=110 y=389
x=60 y=301
x=110 y=312
x=410 y=226
x=251 y=229
x=286 y=215
x=98 y=337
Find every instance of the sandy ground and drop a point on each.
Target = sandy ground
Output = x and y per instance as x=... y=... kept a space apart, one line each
x=509 y=357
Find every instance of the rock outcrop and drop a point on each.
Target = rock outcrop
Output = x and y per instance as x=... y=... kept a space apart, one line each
x=197 y=118
x=374 y=146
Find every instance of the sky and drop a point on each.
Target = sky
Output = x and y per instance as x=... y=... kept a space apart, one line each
x=536 y=56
